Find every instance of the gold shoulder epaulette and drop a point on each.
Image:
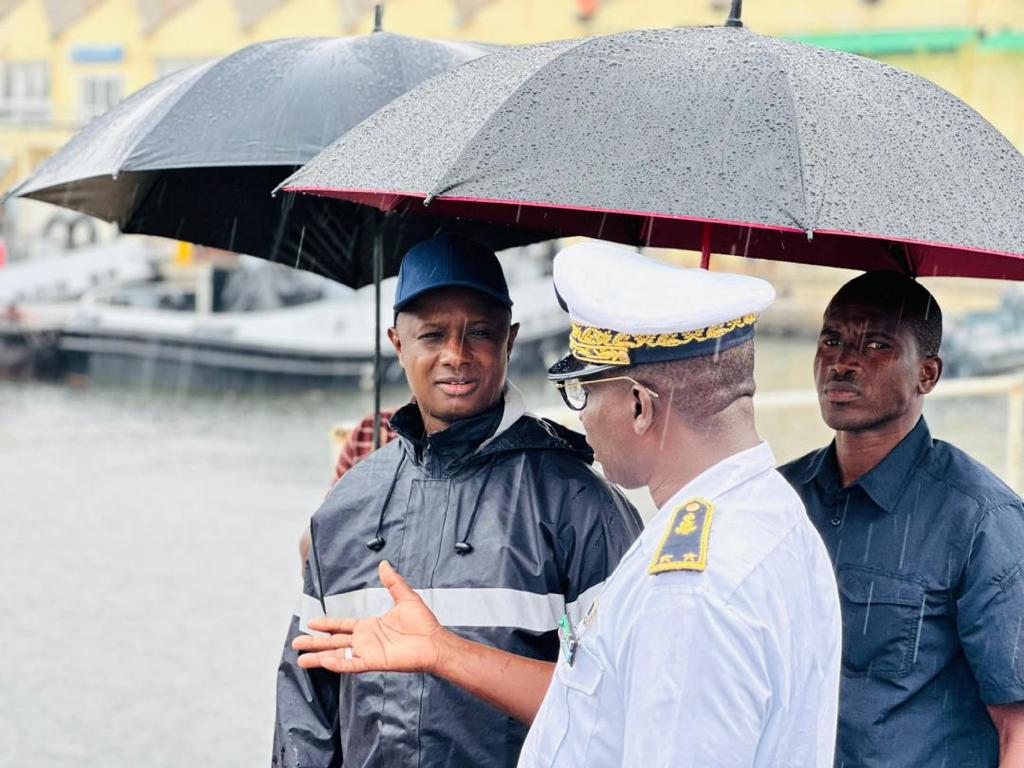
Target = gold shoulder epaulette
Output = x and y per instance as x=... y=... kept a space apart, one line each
x=684 y=547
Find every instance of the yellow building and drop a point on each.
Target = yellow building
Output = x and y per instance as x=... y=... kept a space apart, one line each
x=62 y=62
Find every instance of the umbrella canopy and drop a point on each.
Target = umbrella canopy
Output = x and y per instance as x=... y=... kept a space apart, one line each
x=713 y=138
x=195 y=155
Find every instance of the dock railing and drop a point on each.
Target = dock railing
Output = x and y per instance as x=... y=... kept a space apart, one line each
x=1009 y=386
x=773 y=401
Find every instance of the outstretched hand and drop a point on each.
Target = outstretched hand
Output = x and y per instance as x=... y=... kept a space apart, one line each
x=408 y=638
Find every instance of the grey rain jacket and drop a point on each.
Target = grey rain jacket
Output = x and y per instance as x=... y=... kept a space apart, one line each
x=543 y=531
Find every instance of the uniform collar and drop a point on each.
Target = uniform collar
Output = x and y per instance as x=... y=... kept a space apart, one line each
x=721 y=478
x=886 y=481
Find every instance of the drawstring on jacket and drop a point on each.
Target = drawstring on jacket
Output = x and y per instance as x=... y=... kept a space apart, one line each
x=377 y=542
x=462 y=546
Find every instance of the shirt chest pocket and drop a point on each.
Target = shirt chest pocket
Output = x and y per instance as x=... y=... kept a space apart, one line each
x=881 y=620
x=571 y=714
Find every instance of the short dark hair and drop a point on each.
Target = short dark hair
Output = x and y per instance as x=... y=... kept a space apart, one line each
x=903 y=296
x=699 y=388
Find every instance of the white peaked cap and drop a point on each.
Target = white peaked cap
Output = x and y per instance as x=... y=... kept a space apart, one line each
x=628 y=309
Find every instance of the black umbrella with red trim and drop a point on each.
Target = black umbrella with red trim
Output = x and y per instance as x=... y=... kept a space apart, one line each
x=713 y=139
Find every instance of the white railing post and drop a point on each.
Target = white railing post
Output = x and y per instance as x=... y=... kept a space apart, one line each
x=1014 y=432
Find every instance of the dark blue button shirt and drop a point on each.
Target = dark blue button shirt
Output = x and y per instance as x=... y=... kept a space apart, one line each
x=929 y=554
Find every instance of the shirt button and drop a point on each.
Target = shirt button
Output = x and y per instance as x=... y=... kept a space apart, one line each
x=836 y=520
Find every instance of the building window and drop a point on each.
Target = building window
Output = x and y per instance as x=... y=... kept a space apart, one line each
x=97 y=94
x=25 y=91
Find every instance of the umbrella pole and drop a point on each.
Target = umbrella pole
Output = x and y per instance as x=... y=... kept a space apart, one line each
x=735 y=12
x=705 y=247
x=378 y=270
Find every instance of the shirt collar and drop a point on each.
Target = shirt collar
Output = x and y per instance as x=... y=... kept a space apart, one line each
x=886 y=481
x=721 y=478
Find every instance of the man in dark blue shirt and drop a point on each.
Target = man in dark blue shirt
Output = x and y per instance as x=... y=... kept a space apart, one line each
x=928 y=547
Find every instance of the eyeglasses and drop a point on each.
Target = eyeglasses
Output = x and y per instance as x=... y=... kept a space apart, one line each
x=574 y=391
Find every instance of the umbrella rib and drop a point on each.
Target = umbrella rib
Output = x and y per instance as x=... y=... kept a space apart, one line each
x=807 y=226
x=438 y=191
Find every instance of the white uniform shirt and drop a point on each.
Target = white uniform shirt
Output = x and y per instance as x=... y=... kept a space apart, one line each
x=734 y=665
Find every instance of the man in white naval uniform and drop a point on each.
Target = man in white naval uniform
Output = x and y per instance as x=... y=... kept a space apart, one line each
x=716 y=640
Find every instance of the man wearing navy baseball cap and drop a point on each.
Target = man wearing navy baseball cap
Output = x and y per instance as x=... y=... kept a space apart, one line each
x=452 y=289
x=494 y=516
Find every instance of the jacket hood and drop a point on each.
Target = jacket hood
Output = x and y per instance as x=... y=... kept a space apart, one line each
x=531 y=432
x=517 y=430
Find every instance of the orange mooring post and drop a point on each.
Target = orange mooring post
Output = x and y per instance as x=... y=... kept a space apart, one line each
x=705 y=248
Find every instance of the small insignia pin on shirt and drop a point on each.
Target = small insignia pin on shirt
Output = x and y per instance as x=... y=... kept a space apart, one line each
x=567 y=637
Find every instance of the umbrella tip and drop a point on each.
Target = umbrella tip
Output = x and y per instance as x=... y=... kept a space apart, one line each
x=378 y=17
x=734 y=14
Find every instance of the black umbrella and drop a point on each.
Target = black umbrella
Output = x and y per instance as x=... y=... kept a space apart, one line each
x=715 y=139
x=195 y=155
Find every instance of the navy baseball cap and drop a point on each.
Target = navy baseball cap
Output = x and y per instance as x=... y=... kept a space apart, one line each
x=449 y=261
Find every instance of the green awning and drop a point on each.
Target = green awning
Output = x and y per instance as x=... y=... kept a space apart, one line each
x=892 y=41
x=1006 y=40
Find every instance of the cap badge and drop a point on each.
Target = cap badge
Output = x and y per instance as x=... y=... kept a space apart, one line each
x=608 y=347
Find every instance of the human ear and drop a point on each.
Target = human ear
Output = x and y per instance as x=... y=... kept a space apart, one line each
x=643 y=410
x=396 y=342
x=513 y=331
x=929 y=374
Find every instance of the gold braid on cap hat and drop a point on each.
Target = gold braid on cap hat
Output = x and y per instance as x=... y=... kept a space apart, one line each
x=607 y=347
